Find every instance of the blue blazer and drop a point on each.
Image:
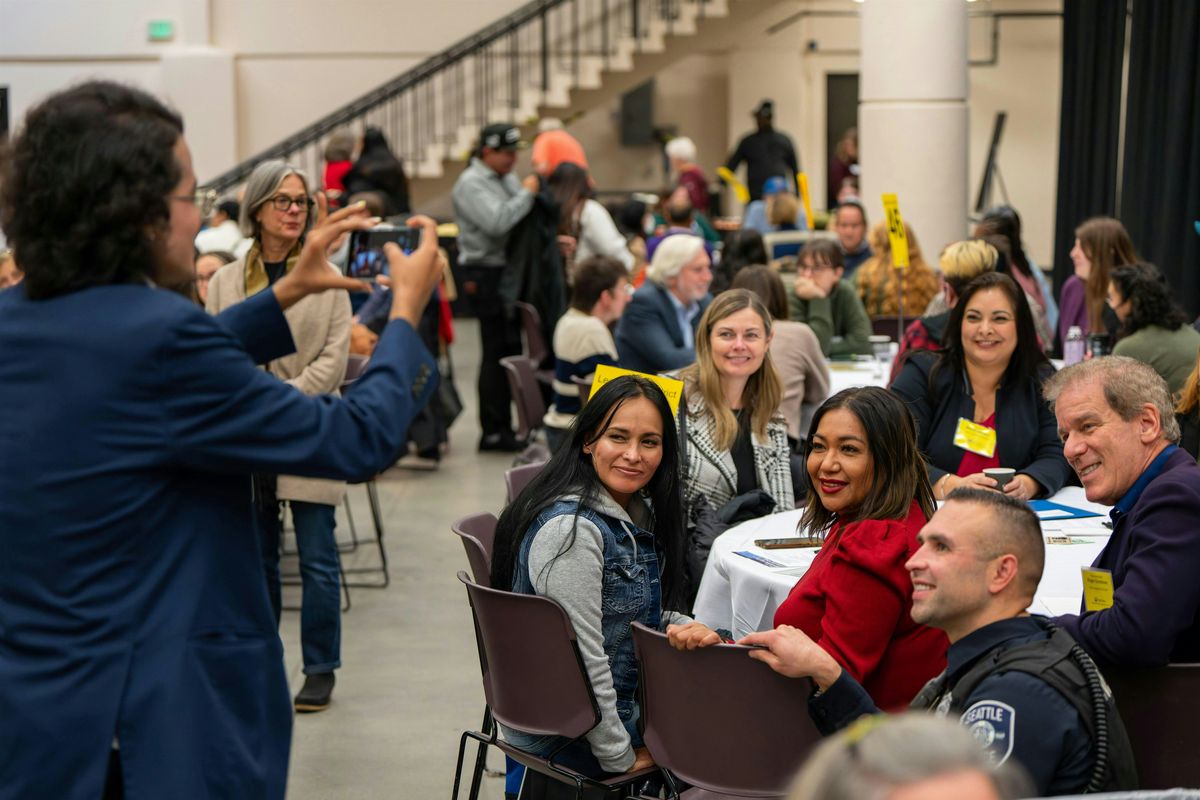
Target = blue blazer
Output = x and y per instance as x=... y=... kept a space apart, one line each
x=649 y=338
x=132 y=600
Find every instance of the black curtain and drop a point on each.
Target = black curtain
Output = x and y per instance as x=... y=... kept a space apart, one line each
x=1160 y=192
x=1089 y=121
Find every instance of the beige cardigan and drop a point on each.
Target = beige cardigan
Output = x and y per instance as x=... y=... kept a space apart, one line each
x=320 y=325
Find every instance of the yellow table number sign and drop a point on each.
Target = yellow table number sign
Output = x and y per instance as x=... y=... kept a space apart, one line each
x=672 y=388
x=802 y=182
x=896 y=234
x=1097 y=589
x=978 y=439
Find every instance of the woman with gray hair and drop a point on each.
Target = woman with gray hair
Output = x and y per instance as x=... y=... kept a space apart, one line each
x=907 y=757
x=277 y=212
x=681 y=152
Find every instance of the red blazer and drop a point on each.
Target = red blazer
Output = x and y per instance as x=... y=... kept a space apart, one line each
x=855 y=601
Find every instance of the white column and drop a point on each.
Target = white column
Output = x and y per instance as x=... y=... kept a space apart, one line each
x=912 y=116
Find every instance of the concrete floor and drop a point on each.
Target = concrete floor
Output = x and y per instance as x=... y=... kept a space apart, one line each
x=409 y=684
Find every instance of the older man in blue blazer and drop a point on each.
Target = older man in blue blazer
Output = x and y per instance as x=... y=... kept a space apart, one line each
x=657 y=331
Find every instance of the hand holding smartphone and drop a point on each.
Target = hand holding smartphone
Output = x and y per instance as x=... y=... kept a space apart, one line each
x=366 y=259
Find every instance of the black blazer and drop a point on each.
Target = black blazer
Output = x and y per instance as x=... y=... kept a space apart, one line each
x=1026 y=430
x=648 y=336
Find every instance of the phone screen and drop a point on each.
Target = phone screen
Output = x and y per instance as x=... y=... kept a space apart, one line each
x=788 y=542
x=366 y=258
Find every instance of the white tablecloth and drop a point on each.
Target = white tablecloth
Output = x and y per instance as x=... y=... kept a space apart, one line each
x=741 y=595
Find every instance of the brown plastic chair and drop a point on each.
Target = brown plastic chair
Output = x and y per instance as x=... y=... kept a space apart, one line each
x=889 y=326
x=534 y=680
x=1159 y=708
x=517 y=478
x=585 y=388
x=535 y=337
x=749 y=745
x=478 y=534
x=522 y=382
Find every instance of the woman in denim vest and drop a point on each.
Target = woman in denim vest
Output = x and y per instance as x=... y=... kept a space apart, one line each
x=600 y=531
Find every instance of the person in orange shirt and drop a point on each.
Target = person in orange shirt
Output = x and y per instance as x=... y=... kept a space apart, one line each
x=554 y=146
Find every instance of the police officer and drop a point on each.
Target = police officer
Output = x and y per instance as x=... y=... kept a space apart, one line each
x=1024 y=688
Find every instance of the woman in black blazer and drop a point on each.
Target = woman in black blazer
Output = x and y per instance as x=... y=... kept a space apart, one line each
x=978 y=402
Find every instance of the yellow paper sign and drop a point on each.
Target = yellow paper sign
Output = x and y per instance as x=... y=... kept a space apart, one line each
x=802 y=182
x=672 y=388
x=1097 y=589
x=979 y=439
x=739 y=189
x=896 y=234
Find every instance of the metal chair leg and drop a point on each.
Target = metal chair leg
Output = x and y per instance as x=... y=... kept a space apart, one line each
x=377 y=519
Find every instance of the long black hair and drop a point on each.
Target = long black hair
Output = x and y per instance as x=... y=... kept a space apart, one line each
x=1027 y=359
x=569 y=471
x=84 y=185
x=1005 y=221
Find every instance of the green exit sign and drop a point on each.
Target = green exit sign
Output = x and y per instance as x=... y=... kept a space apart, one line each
x=161 y=30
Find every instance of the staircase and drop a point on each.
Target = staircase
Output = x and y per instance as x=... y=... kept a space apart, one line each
x=549 y=58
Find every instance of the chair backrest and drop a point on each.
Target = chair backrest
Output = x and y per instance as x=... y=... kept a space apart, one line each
x=889 y=326
x=751 y=745
x=534 y=678
x=478 y=534
x=531 y=326
x=522 y=382
x=356 y=365
x=585 y=388
x=517 y=478
x=779 y=240
x=1159 y=708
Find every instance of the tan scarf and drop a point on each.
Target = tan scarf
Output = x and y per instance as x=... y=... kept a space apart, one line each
x=256 y=273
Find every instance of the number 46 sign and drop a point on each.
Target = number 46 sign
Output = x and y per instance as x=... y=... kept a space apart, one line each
x=896 y=234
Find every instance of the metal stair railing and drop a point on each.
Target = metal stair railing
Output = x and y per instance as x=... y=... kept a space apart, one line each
x=423 y=111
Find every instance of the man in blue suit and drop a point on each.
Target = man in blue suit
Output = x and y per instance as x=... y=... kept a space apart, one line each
x=138 y=653
x=657 y=330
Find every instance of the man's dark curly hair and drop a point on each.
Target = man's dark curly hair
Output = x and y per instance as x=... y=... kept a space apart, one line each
x=1149 y=298
x=84 y=183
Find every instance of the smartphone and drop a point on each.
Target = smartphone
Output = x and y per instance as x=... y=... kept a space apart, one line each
x=366 y=258
x=789 y=542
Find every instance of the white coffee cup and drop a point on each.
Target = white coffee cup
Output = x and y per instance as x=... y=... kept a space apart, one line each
x=1001 y=475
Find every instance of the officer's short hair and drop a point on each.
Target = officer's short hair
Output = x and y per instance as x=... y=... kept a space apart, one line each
x=1015 y=530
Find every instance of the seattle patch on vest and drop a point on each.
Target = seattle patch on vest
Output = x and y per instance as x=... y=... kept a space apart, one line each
x=993 y=724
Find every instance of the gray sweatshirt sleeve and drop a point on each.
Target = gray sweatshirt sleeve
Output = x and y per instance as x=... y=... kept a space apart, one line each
x=575 y=580
x=494 y=216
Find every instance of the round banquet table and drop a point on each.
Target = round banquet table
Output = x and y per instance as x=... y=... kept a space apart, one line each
x=740 y=594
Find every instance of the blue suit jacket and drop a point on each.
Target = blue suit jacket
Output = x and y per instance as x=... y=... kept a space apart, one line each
x=132 y=598
x=648 y=336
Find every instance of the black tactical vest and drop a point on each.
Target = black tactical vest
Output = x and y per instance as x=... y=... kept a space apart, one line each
x=1062 y=664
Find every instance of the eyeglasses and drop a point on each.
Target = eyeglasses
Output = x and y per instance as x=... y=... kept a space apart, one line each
x=281 y=202
x=813 y=268
x=204 y=199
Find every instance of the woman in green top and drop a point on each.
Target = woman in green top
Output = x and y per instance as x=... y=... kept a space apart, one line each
x=1153 y=329
x=828 y=304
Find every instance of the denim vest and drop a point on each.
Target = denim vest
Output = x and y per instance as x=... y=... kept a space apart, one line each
x=632 y=592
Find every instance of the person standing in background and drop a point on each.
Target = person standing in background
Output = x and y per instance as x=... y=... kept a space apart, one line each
x=489 y=201
x=278 y=212
x=766 y=152
x=681 y=151
x=378 y=170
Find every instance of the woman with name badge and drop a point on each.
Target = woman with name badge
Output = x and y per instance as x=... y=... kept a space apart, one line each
x=981 y=419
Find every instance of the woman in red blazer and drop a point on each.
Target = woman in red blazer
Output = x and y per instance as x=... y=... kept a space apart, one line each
x=870 y=496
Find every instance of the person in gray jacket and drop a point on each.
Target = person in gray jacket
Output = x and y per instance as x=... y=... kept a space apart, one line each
x=488 y=203
x=583 y=534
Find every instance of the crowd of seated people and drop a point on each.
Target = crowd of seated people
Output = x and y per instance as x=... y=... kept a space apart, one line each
x=901 y=602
